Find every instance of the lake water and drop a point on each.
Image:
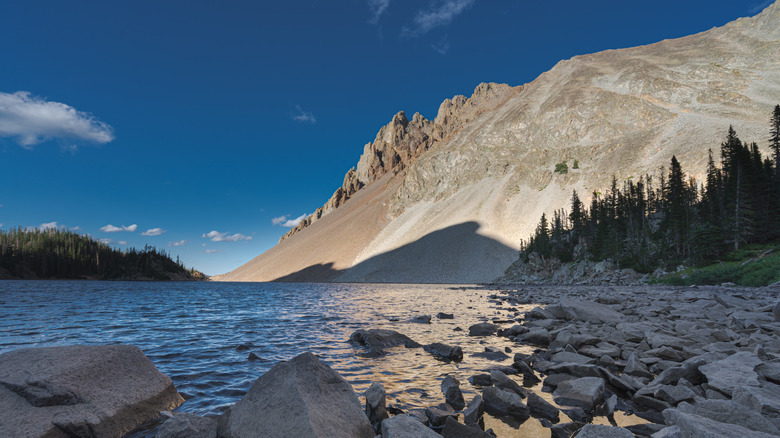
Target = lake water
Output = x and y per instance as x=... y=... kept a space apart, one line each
x=190 y=331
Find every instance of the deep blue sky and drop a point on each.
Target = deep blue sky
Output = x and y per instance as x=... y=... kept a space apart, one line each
x=225 y=115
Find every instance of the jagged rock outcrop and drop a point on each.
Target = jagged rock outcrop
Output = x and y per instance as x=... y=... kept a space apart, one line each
x=399 y=143
x=449 y=200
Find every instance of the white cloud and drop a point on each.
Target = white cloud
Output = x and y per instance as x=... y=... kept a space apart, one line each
x=48 y=226
x=112 y=229
x=289 y=223
x=304 y=116
x=211 y=251
x=31 y=120
x=106 y=241
x=377 y=8
x=76 y=228
x=153 y=232
x=442 y=46
x=216 y=236
x=440 y=13
x=177 y=243
x=122 y=242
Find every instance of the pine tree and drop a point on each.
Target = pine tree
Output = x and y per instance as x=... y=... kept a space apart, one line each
x=774 y=140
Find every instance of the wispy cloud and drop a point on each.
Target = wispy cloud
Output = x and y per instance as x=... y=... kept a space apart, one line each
x=122 y=242
x=211 y=251
x=440 y=13
x=112 y=229
x=76 y=228
x=289 y=223
x=442 y=47
x=216 y=236
x=303 y=116
x=153 y=232
x=1 y=205
x=48 y=226
x=31 y=120
x=377 y=8
x=760 y=7
x=177 y=243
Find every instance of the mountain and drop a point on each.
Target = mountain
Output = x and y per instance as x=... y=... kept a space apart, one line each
x=448 y=200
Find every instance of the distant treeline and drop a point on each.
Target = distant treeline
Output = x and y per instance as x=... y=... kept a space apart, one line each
x=648 y=224
x=58 y=253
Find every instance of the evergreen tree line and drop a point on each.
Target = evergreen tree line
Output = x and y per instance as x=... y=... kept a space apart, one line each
x=59 y=253
x=660 y=223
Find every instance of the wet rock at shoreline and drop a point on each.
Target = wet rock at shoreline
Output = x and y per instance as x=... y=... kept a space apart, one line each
x=300 y=397
x=444 y=351
x=584 y=392
x=421 y=319
x=404 y=426
x=541 y=408
x=483 y=329
x=450 y=386
x=453 y=429
x=80 y=390
x=472 y=416
x=499 y=402
x=437 y=415
x=376 y=340
x=376 y=410
x=442 y=315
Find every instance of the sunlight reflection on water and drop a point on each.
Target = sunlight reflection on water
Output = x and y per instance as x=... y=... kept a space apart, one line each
x=190 y=331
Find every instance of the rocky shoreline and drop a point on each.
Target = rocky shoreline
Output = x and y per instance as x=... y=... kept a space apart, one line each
x=696 y=361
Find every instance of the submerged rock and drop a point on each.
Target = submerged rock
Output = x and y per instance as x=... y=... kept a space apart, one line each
x=80 y=390
x=301 y=397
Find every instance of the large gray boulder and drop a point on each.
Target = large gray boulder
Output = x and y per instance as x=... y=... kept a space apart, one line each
x=302 y=397
x=499 y=402
x=80 y=390
x=733 y=372
x=404 y=426
x=696 y=426
x=602 y=431
x=585 y=392
x=188 y=425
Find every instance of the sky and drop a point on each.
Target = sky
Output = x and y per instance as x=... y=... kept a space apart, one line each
x=209 y=128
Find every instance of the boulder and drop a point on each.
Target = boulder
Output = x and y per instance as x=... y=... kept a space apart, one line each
x=696 y=426
x=188 y=425
x=453 y=429
x=376 y=340
x=726 y=411
x=80 y=390
x=481 y=380
x=730 y=373
x=301 y=397
x=502 y=381
x=569 y=357
x=585 y=392
x=444 y=351
x=535 y=336
x=765 y=400
x=483 y=329
x=602 y=431
x=541 y=408
x=404 y=426
x=376 y=405
x=636 y=368
x=499 y=402
x=437 y=415
x=450 y=386
x=565 y=430
x=473 y=413
x=581 y=310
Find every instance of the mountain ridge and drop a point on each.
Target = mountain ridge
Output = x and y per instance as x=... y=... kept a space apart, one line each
x=621 y=112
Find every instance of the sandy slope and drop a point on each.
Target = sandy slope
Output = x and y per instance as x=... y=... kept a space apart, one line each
x=458 y=212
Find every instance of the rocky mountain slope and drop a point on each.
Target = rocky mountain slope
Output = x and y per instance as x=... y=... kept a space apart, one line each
x=448 y=200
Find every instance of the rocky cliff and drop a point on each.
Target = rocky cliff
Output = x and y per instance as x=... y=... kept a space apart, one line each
x=451 y=198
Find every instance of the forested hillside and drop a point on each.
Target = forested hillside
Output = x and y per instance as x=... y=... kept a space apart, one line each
x=57 y=253
x=673 y=219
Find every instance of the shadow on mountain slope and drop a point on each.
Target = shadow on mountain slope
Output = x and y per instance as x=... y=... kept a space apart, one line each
x=456 y=254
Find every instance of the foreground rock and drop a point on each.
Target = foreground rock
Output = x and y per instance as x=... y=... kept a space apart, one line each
x=302 y=397
x=84 y=391
x=404 y=426
x=376 y=409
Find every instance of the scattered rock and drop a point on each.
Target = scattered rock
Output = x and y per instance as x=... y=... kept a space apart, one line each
x=565 y=430
x=473 y=413
x=300 y=397
x=584 y=392
x=502 y=381
x=442 y=315
x=80 y=390
x=491 y=354
x=253 y=357
x=376 y=411
x=540 y=408
x=444 y=351
x=376 y=340
x=404 y=426
x=421 y=319
x=450 y=386
x=481 y=380
x=188 y=425
x=453 y=429
x=602 y=431
x=499 y=402
x=437 y=415
x=483 y=329
x=730 y=373
x=694 y=426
